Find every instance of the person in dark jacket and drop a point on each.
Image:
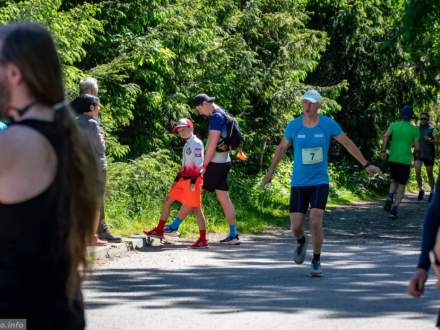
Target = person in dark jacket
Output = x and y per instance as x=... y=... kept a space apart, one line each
x=431 y=225
x=87 y=107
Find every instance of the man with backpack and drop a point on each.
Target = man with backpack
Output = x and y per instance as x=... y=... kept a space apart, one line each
x=221 y=139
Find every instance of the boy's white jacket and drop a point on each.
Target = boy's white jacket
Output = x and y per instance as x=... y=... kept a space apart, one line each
x=192 y=159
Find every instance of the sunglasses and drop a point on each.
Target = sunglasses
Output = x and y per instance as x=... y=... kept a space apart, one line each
x=424 y=118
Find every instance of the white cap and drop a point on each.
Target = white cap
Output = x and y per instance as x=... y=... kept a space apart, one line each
x=312 y=95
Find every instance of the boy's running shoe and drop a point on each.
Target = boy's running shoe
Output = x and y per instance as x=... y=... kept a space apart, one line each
x=388 y=204
x=199 y=244
x=300 y=253
x=421 y=194
x=315 y=268
x=169 y=231
x=231 y=240
x=154 y=233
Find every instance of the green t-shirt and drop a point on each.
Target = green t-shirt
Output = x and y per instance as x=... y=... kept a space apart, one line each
x=403 y=135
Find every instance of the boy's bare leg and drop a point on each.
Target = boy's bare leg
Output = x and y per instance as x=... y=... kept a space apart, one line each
x=200 y=218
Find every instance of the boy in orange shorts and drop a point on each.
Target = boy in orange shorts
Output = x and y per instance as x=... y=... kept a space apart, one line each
x=187 y=188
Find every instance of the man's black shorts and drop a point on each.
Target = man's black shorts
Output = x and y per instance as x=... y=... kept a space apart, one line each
x=302 y=197
x=216 y=176
x=399 y=172
x=427 y=162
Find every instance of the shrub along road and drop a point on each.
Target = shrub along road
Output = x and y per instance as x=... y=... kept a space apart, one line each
x=367 y=261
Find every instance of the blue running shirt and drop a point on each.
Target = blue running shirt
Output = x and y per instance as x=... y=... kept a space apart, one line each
x=310 y=150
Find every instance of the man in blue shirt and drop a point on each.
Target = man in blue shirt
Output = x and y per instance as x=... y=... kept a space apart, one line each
x=310 y=135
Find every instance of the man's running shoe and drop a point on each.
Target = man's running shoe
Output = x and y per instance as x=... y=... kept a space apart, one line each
x=199 y=244
x=231 y=240
x=300 y=253
x=154 y=233
x=315 y=268
x=421 y=194
x=388 y=204
x=106 y=235
x=393 y=213
x=169 y=231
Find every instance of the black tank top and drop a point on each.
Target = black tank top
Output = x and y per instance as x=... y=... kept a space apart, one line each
x=33 y=268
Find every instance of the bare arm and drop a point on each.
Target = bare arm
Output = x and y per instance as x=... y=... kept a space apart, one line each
x=416 y=147
x=213 y=138
x=356 y=153
x=279 y=154
x=386 y=140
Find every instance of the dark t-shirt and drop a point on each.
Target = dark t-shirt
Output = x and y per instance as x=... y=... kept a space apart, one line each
x=427 y=148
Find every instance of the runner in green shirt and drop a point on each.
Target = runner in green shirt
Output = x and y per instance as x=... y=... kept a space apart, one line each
x=403 y=136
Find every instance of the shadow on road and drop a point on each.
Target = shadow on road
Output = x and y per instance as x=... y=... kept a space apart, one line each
x=367 y=261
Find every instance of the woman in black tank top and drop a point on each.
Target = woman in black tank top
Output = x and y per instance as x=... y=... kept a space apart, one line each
x=48 y=187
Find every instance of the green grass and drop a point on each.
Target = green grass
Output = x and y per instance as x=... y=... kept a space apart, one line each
x=136 y=191
x=249 y=220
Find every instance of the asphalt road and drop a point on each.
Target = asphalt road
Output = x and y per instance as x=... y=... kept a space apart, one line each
x=367 y=260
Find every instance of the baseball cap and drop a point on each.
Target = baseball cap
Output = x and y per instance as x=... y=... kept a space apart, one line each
x=184 y=122
x=406 y=112
x=312 y=95
x=200 y=98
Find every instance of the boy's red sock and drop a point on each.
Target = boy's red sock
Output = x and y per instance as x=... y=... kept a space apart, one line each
x=202 y=234
x=161 y=224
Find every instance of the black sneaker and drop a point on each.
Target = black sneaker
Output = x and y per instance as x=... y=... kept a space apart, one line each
x=107 y=236
x=393 y=213
x=387 y=205
x=421 y=194
x=231 y=240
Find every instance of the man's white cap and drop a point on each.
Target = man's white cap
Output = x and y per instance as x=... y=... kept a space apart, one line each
x=312 y=95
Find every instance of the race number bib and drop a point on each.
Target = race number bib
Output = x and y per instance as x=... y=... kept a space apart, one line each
x=312 y=155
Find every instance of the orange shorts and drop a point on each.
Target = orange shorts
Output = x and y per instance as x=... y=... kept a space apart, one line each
x=181 y=192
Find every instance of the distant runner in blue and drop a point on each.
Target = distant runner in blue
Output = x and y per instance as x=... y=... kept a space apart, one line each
x=310 y=135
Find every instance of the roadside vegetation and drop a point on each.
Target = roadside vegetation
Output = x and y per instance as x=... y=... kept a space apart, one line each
x=367 y=58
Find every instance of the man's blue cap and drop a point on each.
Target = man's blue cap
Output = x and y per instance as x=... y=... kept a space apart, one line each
x=312 y=95
x=406 y=113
